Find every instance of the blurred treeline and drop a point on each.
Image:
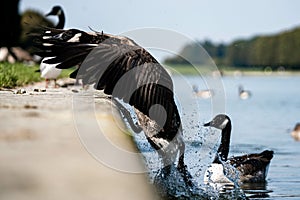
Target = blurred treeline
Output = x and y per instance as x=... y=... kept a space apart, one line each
x=278 y=50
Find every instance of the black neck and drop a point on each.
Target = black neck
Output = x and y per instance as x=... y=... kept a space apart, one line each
x=61 y=20
x=223 y=150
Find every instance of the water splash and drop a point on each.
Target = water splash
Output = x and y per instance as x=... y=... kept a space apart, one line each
x=201 y=147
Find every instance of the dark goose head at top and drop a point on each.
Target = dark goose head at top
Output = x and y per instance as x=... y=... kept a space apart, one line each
x=125 y=71
x=252 y=167
x=223 y=123
x=58 y=11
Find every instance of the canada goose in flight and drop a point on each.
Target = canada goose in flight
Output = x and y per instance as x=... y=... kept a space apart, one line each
x=48 y=71
x=251 y=167
x=244 y=94
x=125 y=71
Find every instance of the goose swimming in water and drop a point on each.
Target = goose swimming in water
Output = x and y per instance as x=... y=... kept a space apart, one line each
x=125 y=71
x=244 y=94
x=205 y=94
x=49 y=71
x=251 y=167
x=296 y=132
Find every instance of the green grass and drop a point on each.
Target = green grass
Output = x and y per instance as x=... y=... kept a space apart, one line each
x=14 y=75
x=66 y=72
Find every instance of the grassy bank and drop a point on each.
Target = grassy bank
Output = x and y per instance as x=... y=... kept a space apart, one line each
x=13 y=75
x=18 y=74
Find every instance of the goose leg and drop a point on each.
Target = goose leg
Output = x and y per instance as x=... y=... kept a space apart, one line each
x=47 y=82
x=182 y=168
x=55 y=84
x=134 y=126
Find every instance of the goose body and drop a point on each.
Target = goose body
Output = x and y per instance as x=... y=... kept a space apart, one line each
x=49 y=71
x=124 y=71
x=214 y=177
x=215 y=174
x=251 y=167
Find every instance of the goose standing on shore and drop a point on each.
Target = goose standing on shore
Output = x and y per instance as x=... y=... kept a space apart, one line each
x=125 y=71
x=251 y=167
x=49 y=71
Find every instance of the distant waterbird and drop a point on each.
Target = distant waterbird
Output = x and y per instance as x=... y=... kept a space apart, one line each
x=296 y=132
x=204 y=94
x=251 y=168
x=244 y=94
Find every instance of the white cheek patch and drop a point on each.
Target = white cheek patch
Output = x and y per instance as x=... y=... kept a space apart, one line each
x=75 y=38
x=47 y=44
x=46 y=37
x=224 y=123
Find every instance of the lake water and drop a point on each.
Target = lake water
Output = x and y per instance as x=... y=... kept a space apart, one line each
x=264 y=121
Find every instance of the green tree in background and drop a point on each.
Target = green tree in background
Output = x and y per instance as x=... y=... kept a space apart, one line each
x=282 y=49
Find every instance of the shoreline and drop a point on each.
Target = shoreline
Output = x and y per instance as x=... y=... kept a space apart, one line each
x=43 y=156
x=190 y=71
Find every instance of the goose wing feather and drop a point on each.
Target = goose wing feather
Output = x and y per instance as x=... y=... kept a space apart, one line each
x=118 y=66
x=251 y=163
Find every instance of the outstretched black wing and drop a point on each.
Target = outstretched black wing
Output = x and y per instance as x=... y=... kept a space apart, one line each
x=118 y=66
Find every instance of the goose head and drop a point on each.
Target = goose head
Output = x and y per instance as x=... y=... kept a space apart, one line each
x=223 y=123
x=220 y=122
x=56 y=11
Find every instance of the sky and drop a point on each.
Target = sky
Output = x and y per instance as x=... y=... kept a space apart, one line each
x=216 y=20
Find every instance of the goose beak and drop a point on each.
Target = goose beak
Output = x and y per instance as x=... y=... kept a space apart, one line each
x=50 y=13
x=207 y=124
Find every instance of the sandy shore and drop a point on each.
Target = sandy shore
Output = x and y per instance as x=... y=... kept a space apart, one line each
x=43 y=157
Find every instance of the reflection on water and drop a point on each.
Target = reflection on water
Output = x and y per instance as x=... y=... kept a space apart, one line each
x=256 y=190
x=260 y=122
